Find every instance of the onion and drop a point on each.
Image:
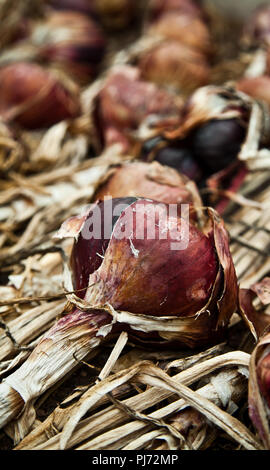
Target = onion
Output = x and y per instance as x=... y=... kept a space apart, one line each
x=125 y=102
x=180 y=58
x=33 y=97
x=189 y=30
x=86 y=7
x=209 y=137
x=71 y=40
x=116 y=270
x=257 y=29
x=150 y=180
x=157 y=8
x=112 y=14
x=67 y=40
x=259 y=389
x=174 y=63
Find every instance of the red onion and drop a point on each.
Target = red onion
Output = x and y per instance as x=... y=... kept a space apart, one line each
x=32 y=97
x=257 y=29
x=189 y=30
x=259 y=389
x=125 y=101
x=128 y=280
x=86 y=7
x=181 y=57
x=195 y=285
x=157 y=8
x=72 y=41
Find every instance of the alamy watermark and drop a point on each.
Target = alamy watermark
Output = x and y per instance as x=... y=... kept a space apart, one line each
x=146 y=220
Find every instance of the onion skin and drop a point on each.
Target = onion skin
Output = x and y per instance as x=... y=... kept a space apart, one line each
x=33 y=98
x=202 y=295
x=125 y=101
x=182 y=289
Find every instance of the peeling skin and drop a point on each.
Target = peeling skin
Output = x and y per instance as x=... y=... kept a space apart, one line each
x=86 y=255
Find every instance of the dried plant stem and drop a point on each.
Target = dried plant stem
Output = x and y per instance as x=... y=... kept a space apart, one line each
x=30 y=324
x=77 y=333
x=112 y=417
x=59 y=416
x=148 y=374
x=234 y=388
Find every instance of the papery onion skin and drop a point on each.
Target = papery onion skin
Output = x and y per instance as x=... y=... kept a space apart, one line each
x=32 y=97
